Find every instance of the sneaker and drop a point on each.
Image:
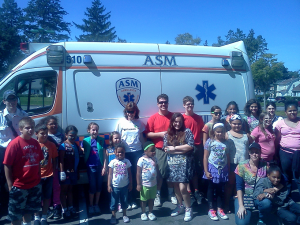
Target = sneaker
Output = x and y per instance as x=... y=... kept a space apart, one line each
x=134 y=206
x=36 y=222
x=113 y=220
x=91 y=210
x=222 y=215
x=73 y=212
x=151 y=216
x=193 y=200
x=212 y=214
x=157 y=200
x=129 y=207
x=260 y=222
x=126 y=219
x=173 y=199
x=57 y=213
x=188 y=214
x=97 y=209
x=144 y=217
x=178 y=210
x=44 y=222
x=199 y=197
x=67 y=215
x=50 y=213
x=120 y=210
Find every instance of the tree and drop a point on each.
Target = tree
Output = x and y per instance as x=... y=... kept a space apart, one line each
x=96 y=27
x=187 y=39
x=205 y=43
x=44 y=21
x=220 y=42
x=121 y=40
x=266 y=71
x=167 y=42
x=11 y=25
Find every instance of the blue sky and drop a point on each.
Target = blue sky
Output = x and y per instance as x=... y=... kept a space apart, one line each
x=156 y=21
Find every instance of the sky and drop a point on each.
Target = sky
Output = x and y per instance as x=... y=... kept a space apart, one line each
x=158 y=21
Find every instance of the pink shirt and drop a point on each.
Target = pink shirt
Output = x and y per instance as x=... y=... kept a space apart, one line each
x=290 y=137
x=267 y=144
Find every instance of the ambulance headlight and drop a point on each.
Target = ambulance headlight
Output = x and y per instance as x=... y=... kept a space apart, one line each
x=55 y=54
x=87 y=59
x=237 y=59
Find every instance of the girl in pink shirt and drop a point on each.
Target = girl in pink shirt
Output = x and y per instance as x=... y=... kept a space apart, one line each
x=263 y=135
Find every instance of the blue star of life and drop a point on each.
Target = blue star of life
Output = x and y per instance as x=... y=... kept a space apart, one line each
x=205 y=92
x=128 y=97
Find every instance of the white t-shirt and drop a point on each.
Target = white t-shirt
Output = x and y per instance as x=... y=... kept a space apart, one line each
x=120 y=172
x=130 y=133
x=149 y=173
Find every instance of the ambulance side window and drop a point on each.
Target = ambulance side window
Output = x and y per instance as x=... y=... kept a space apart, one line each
x=36 y=91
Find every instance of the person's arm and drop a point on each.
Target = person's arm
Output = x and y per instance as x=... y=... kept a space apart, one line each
x=182 y=149
x=139 y=178
x=9 y=176
x=205 y=164
x=104 y=163
x=130 y=179
x=109 y=179
x=153 y=135
x=205 y=137
x=242 y=210
x=61 y=161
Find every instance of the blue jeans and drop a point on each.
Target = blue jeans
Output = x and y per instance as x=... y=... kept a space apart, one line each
x=247 y=217
x=265 y=208
x=119 y=193
x=95 y=178
x=290 y=215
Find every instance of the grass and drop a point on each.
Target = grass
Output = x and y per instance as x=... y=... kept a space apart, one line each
x=280 y=113
x=37 y=101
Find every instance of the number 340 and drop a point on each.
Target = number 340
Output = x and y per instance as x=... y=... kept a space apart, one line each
x=74 y=59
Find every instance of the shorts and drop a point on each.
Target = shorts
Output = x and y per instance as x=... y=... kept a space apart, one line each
x=162 y=163
x=148 y=193
x=71 y=178
x=198 y=159
x=23 y=201
x=47 y=184
x=233 y=167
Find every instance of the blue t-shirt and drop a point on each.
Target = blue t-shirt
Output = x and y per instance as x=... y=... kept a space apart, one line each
x=111 y=154
x=76 y=153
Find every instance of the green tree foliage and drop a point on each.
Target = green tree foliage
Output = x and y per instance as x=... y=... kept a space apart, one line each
x=255 y=46
x=47 y=16
x=11 y=25
x=205 y=43
x=266 y=71
x=187 y=39
x=96 y=27
x=120 y=40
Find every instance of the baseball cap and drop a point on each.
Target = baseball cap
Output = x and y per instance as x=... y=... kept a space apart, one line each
x=255 y=145
x=8 y=93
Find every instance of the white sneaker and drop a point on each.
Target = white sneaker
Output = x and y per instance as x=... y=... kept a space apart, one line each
x=188 y=214
x=151 y=216
x=120 y=208
x=129 y=207
x=126 y=219
x=157 y=200
x=144 y=217
x=178 y=210
x=222 y=215
x=173 y=200
x=134 y=206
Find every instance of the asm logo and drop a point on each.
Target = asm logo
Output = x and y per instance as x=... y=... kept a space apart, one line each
x=128 y=90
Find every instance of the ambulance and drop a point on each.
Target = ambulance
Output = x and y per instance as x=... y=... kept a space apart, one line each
x=82 y=82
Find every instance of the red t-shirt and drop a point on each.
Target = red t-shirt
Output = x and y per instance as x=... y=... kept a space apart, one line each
x=24 y=157
x=158 y=123
x=50 y=153
x=195 y=124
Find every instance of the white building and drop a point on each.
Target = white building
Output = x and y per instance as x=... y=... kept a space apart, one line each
x=285 y=87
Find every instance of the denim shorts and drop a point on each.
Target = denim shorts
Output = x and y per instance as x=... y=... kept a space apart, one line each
x=23 y=201
x=47 y=184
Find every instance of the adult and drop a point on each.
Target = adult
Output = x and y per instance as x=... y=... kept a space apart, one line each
x=195 y=123
x=287 y=133
x=264 y=135
x=9 y=127
x=271 y=108
x=179 y=144
x=157 y=126
x=247 y=175
x=252 y=110
x=131 y=130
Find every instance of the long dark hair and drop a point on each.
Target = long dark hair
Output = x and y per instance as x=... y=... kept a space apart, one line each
x=176 y=137
x=247 y=111
x=232 y=103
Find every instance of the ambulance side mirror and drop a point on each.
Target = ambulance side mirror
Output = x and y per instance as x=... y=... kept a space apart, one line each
x=55 y=54
x=237 y=59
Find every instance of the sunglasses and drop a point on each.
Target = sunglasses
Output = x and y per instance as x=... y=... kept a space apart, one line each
x=216 y=113
x=163 y=102
x=131 y=112
x=11 y=99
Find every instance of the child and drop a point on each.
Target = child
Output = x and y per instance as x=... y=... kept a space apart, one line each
x=47 y=167
x=119 y=182
x=146 y=179
x=238 y=153
x=56 y=136
x=231 y=109
x=216 y=167
x=252 y=110
x=216 y=113
x=69 y=159
x=23 y=174
x=114 y=139
x=95 y=159
x=270 y=192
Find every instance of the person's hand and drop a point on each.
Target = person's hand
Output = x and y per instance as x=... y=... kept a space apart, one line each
x=208 y=175
x=9 y=188
x=63 y=176
x=162 y=134
x=261 y=197
x=129 y=187
x=109 y=189
x=241 y=212
x=139 y=187
x=270 y=190
x=103 y=171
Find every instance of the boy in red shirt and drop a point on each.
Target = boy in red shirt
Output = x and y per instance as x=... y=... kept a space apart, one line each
x=195 y=123
x=47 y=167
x=23 y=174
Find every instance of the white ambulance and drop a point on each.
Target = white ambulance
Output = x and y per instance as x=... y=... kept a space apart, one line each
x=83 y=82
